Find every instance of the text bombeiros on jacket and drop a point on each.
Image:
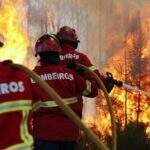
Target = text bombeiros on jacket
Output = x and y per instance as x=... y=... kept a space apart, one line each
x=11 y=87
x=69 y=56
x=55 y=76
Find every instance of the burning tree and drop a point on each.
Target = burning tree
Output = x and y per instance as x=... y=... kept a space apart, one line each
x=135 y=42
x=130 y=64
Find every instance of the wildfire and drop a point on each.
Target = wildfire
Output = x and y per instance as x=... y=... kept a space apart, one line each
x=131 y=65
x=15 y=39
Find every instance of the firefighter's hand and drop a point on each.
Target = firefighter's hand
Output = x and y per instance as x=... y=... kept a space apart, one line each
x=109 y=82
x=118 y=83
x=71 y=64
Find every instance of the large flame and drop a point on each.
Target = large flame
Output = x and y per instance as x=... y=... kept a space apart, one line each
x=131 y=65
x=16 y=44
x=15 y=38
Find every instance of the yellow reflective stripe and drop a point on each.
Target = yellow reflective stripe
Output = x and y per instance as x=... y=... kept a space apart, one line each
x=25 y=135
x=40 y=104
x=21 y=146
x=23 y=106
x=87 y=91
x=93 y=68
x=15 y=106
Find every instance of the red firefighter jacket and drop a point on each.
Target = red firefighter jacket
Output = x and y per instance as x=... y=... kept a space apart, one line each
x=69 y=53
x=15 y=105
x=50 y=123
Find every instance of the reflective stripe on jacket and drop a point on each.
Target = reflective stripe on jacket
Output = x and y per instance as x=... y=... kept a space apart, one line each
x=93 y=68
x=49 y=104
x=24 y=107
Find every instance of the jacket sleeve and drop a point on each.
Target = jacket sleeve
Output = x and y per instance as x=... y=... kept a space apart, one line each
x=91 y=89
x=107 y=80
x=86 y=86
x=109 y=84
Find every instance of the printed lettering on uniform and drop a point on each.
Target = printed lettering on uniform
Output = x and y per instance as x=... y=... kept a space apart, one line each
x=61 y=76
x=49 y=76
x=44 y=77
x=11 y=87
x=21 y=86
x=32 y=81
x=55 y=76
x=69 y=56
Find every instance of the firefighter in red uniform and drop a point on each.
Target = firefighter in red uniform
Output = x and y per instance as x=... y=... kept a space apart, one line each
x=69 y=43
x=53 y=130
x=15 y=106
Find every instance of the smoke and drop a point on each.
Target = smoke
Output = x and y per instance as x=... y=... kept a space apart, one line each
x=102 y=26
x=118 y=21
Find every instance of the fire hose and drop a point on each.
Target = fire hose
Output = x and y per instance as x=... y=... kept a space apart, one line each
x=126 y=86
x=102 y=87
x=67 y=110
x=118 y=84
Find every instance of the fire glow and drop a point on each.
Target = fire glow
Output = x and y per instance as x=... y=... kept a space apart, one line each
x=15 y=48
x=131 y=65
x=15 y=39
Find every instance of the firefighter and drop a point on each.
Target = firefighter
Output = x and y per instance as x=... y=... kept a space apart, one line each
x=69 y=44
x=15 y=106
x=52 y=129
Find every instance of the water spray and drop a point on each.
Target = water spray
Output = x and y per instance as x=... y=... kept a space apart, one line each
x=135 y=89
x=126 y=86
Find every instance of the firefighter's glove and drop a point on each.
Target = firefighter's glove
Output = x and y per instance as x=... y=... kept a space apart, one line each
x=109 y=82
x=118 y=83
x=71 y=64
x=81 y=71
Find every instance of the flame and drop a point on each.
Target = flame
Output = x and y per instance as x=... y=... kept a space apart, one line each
x=15 y=39
x=146 y=52
x=125 y=66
